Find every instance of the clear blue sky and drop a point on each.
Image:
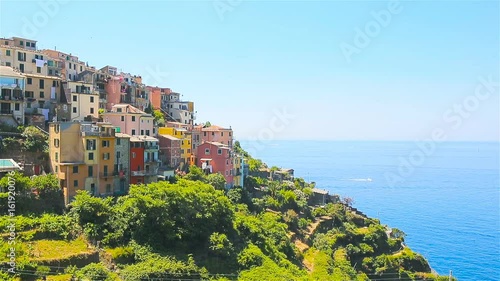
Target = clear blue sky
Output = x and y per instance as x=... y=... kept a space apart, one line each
x=241 y=65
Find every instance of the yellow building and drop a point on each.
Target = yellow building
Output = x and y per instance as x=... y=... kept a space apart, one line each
x=185 y=136
x=82 y=157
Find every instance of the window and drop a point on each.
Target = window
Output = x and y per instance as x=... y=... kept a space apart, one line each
x=182 y=151
x=219 y=151
x=56 y=142
x=16 y=106
x=21 y=67
x=147 y=132
x=204 y=134
x=123 y=118
x=74 y=66
x=69 y=65
x=69 y=76
x=142 y=132
x=81 y=68
x=207 y=151
x=75 y=183
x=105 y=156
x=105 y=143
x=29 y=81
x=133 y=118
x=133 y=132
x=91 y=99
x=42 y=95
x=230 y=133
x=108 y=188
x=221 y=134
x=91 y=155
x=91 y=144
x=57 y=157
x=75 y=169
x=21 y=56
x=75 y=98
x=91 y=110
x=57 y=169
x=226 y=172
x=105 y=170
x=7 y=53
x=92 y=188
x=7 y=64
x=38 y=69
x=118 y=155
x=118 y=141
x=213 y=134
x=118 y=110
x=28 y=105
x=133 y=154
x=42 y=84
x=74 y=109
x=41 y=103
x=50 y=71
x=91 y=171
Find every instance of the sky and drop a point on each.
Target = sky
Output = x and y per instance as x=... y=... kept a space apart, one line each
x=323 y=70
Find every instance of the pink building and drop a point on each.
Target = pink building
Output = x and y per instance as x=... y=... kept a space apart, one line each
x=130 y=120
x=214 y=157
x=218 y=134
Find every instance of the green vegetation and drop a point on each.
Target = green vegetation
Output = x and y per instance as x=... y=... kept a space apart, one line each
x=193 y=228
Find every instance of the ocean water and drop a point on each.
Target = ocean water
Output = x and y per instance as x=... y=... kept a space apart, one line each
x=447 y=201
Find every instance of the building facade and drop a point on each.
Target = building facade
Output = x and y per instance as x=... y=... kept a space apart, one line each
x=130 y=120
x=216 y=157
x=12 y=86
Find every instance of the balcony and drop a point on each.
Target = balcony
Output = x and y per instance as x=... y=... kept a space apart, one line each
x=119 y=174
x=151 y=172
x=105 y=175
x=6 y=111
x=151 y=146
x=151 y=160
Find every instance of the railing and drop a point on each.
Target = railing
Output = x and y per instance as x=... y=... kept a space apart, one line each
x=105 y=175
x=151 y=172
x=151 y=160
x=151 y=146
x=3 y=111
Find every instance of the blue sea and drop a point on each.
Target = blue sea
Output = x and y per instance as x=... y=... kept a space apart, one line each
x=446 y=200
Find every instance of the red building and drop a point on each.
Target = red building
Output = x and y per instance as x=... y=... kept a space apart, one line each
x=215 y=157
x=136 y=160
x=144 y=161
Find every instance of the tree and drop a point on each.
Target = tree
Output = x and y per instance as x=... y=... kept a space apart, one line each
x=217 y=180
x=195 y=174
x=35 y=140
x=207 y=124
x=159 y=117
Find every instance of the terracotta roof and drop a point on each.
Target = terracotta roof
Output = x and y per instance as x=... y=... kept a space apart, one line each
x=214 y=128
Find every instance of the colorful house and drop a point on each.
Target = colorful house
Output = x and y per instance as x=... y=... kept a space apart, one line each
x=214 y=157
x=130 y=120
x=121 y=171
x=82 y=156
x=185 y=136
x=144 y=161
x=170 y=151
x=12 y=85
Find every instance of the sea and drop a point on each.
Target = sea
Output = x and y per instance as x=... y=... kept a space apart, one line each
x=444 y=196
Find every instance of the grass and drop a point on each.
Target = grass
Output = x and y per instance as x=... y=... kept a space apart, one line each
x=58 y=249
